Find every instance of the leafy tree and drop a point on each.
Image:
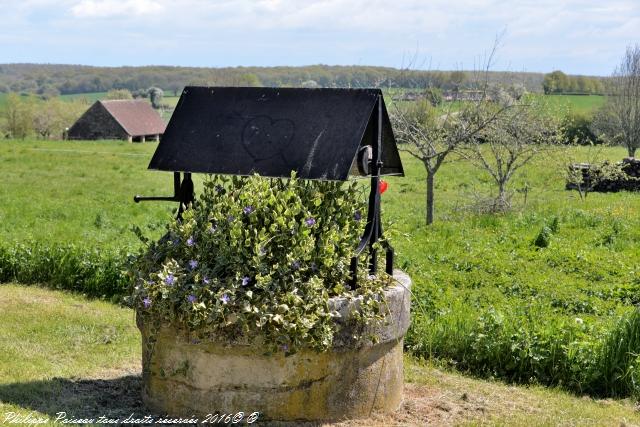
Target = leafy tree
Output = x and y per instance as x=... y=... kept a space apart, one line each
x=45 y=118
x=577 y=128
x=555 y=82
x=155 y=95
x=119 y=94
x=249 y=80
x=605 y=125
x=52 y=116
x=18 y=113
x=141 y=93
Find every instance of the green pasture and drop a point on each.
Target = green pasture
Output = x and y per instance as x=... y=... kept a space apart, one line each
x=582 y=104
x=89 y=98
x=79 y=192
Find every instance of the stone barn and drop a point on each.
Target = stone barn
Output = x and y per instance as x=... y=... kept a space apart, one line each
x=130 y=120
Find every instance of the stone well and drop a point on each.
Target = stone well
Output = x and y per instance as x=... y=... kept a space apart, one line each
x=350 y=380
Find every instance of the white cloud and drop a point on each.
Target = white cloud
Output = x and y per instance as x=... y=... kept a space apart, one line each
x=540 y=34
x=113 y=8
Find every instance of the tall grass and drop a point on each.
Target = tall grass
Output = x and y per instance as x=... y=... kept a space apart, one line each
x=527 y=347
x=617 y=368
x=65 y=266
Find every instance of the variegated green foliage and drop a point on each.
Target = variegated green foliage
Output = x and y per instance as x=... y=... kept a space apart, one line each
x=258 y=258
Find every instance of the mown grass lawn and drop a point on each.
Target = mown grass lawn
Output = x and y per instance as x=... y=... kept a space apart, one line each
x=65 y=353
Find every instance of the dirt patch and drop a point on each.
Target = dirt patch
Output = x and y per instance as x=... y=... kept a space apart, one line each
x=424 y=405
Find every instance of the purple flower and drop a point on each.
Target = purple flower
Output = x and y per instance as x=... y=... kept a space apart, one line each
x=206 y=280
x=357 y=216
x=247 y=210
x=314 y=267
x=231 y=218
x=193 y=264
x=170 y=280
x=219 y=188
x=146 y=302
x=245 y=280
x=224 y=298
x=311 y=221
x=191 y=241
x=284 y=347
x=191 y=298
x=295 y=265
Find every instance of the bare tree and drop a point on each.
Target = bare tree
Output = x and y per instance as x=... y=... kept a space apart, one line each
x=624 y=102
x=431 y=135
x=509 y=141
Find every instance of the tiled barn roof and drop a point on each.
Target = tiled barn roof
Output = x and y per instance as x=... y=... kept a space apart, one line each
x=136 y=117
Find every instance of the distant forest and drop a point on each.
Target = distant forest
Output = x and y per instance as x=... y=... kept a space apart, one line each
x=51 y=80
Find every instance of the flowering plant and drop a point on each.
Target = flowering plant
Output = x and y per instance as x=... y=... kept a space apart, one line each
x=258 y=258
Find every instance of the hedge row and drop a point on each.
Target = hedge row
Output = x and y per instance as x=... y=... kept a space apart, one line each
x=66 y=266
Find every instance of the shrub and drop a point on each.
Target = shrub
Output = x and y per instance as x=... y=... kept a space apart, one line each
x=259 y=259
x=543 y=238
x=576 y=128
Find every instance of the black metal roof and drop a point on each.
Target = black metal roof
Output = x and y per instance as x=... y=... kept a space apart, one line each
x=273 y=131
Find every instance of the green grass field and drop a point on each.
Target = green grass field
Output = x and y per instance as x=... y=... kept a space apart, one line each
x=89 y=98
x=583 y=104
x=79 y=192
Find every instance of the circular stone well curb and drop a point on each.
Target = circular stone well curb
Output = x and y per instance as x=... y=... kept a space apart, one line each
x=350 y=380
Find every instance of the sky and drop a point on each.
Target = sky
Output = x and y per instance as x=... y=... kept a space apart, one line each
x=577 y=36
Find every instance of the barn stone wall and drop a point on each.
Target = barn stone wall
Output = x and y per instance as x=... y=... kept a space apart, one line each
x=97 y=123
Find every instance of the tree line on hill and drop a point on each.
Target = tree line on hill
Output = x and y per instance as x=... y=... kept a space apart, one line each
x=47 y=80
x=558 y=82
